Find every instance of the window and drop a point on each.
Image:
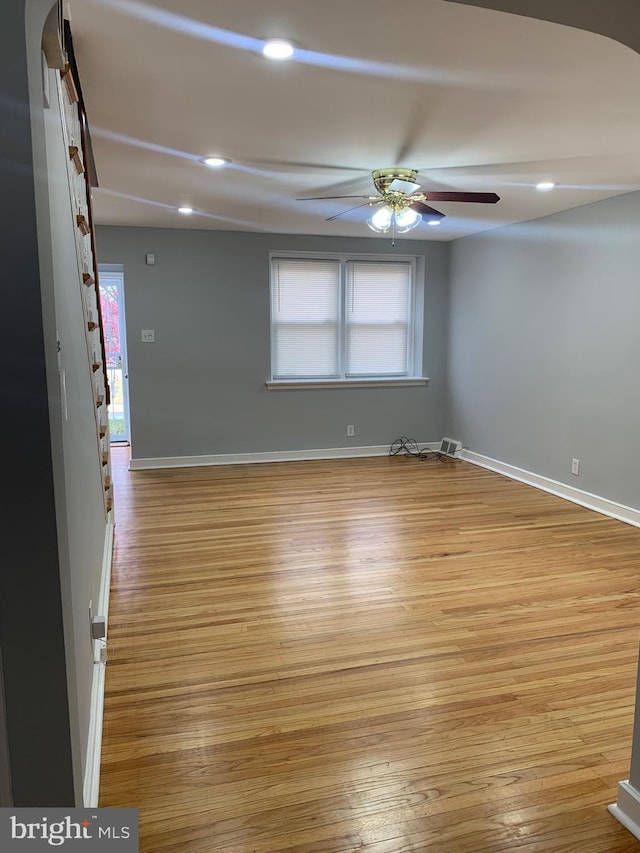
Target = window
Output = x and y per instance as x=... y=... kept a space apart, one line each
x=342 y=319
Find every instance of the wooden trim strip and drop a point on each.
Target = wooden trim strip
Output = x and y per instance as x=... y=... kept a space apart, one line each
x=76 y=159
x=70 y=86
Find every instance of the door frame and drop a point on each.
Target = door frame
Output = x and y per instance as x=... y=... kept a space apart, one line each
x=117 y=271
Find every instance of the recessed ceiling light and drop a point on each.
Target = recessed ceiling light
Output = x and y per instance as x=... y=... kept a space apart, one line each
x=543 y=186
x=433 y=222
x=187 y=211
x=278 y=49
x=215 y=162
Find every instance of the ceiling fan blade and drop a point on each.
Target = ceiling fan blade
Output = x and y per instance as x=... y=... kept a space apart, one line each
x=322 y=197
x=335 y=216
x=486 y=198
x=426 y=210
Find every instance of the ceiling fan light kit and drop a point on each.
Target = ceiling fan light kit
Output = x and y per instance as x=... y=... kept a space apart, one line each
x=406 y=219
x=402 y=218
x=380 y=221
x=400 y=203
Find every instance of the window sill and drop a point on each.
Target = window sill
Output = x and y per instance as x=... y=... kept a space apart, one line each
x=293 y=384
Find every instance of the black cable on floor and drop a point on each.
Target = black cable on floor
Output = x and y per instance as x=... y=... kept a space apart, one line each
x=404 y=446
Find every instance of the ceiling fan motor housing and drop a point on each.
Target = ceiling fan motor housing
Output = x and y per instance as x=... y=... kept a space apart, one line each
x=382 y=178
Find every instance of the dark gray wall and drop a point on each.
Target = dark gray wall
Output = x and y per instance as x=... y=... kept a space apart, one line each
x=200 y=388
x=6 y=797
x=544 y=346
x=31 y=623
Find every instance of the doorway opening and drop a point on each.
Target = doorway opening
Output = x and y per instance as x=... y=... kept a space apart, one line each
x=111 y=280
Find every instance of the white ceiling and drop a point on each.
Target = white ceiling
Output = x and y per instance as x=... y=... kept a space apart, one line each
x=474 y=99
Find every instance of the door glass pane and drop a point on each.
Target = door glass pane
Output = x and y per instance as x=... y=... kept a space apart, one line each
x=110 y=321
x=110 y=295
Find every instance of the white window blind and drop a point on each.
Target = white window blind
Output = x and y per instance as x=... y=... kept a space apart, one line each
x=305 y=299
x=341 y=318
x=377 y=318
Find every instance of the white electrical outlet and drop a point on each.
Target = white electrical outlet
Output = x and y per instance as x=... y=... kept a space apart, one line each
x=148 y=336
x=351 y=430
x=575 y=467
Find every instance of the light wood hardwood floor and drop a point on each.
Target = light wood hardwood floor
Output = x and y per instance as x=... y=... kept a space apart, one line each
x=373 y=654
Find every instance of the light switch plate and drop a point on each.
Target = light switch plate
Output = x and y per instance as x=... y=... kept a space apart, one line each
x=148 y=336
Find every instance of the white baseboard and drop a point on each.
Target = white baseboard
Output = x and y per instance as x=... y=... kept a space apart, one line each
x=91 y=789
x=627 y=808
x=94 y=746
x=269 y=456
x=602 y=505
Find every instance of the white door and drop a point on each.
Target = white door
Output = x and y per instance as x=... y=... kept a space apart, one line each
x=115 y=342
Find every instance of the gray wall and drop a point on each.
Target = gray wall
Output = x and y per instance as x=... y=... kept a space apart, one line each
x=544 y=346
x=31 y=622
x=199 y=389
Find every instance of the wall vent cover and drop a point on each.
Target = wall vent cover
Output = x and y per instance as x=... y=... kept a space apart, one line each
x=449 y=447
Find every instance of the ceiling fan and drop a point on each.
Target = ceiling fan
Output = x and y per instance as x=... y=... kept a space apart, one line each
x=400 y=203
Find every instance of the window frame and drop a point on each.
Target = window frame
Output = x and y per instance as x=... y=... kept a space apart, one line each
x=414 y=328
